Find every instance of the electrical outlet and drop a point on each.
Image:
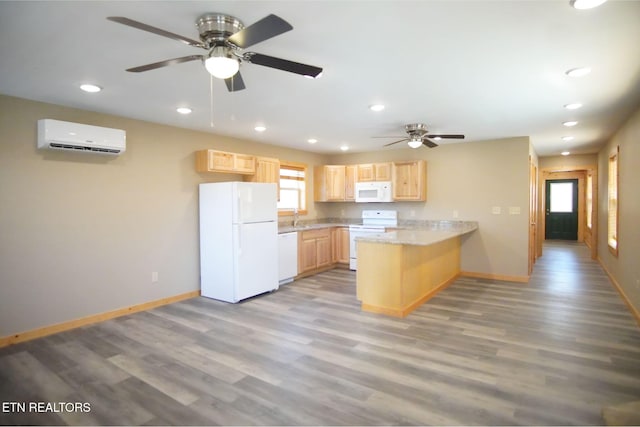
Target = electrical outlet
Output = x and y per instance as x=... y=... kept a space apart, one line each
x=342 y=212
x=412 y=213
x=455 y=214
x=154 y=277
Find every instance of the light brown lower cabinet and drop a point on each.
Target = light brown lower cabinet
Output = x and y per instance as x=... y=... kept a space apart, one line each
x=314 y=249
x=340 y=245
x=321 y=249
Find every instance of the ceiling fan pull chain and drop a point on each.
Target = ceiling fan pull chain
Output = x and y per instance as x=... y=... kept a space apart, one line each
x=211 y=99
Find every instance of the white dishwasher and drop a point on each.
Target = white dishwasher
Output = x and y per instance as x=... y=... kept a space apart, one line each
x=287 y=257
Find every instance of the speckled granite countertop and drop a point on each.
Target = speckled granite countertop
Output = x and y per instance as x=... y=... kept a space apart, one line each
x=408 y=232
x=305 y=227
x=436 y=231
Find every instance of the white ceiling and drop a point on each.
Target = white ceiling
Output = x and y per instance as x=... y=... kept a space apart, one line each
x=487 y=69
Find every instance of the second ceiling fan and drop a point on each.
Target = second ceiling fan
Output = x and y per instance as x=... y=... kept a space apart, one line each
x=225 y=37
x=418 y=135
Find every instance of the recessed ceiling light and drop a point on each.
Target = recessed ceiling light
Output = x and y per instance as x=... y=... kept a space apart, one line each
x=570 y=123
x=565 y=153
x=184 y=110
x=573 y=106
x=344 y=148
x=586 y=4
x=578 y=72
x=567 y=138
x=90 y=88
x=312 y=140
x=376 y=107
x=260 y=128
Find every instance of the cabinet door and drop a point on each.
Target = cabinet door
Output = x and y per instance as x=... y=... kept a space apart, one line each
x=410 y=180
x=306 y=254
x=350 y=182
x=382 y=171
x=328 y=183
x=323 y=251
x=343 y=245
x=268 y=170
x=221 y=161
x=365 y=173
x=334 y=180
x=244 y=163
x=335 y=243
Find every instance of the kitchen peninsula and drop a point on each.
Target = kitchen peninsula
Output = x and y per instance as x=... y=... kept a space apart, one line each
x=400 y=270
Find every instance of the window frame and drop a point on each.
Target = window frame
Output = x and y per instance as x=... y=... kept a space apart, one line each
x=284 y=164
x=613 y=202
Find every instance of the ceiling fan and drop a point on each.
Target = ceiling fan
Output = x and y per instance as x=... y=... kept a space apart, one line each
x=418 y=136
x=225 y=37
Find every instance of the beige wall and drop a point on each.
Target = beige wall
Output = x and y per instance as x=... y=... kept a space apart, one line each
x=559 y=163
x=80 y=234
x=470 y=178
x=625 y=268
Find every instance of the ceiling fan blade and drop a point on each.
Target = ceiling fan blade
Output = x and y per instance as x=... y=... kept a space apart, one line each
x=154 y=30
x=387 y=137
x=282 y=64
x=266 y=28
x=444 y=136
x=428 y=143
x=165 y=63
x=235 y=83
x=395 y=142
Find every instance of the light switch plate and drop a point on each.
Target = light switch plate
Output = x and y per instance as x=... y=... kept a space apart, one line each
x=496 y=210
x=514 y=210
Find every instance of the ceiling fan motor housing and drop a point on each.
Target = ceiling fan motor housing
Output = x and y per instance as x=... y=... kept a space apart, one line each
x=416 y=129
x=216 y=28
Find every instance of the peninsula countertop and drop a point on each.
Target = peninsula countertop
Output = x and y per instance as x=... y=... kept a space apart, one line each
x=422 y=236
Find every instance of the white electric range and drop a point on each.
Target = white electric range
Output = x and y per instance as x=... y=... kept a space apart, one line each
x=372 y=222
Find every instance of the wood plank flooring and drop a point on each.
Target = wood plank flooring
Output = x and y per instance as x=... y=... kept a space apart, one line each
x=552 y=352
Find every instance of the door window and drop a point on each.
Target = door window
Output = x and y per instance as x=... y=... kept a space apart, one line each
x=561 y=197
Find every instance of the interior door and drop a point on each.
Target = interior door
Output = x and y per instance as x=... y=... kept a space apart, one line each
x=561 y=209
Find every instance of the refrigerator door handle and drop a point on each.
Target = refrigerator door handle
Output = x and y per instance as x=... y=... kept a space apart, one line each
x=239 y=240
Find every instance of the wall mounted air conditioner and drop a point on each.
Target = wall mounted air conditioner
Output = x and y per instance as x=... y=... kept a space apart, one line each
x=59 y=135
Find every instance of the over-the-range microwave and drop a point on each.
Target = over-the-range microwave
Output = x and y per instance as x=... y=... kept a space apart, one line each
x=369 y=192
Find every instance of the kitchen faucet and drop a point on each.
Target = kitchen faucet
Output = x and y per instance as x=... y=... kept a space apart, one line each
x=295 y=217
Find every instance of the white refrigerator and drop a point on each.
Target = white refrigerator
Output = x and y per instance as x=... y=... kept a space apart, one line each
x=238 y=240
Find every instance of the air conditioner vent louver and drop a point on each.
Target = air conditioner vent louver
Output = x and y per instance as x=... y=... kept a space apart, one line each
x=59 y=135
x=80 y=148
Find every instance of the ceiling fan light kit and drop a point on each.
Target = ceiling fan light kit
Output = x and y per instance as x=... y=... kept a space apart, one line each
x=221 y=63
x=414 y=143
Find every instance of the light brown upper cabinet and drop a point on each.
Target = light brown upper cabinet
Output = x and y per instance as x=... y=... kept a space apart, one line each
x=222 y=161
x=329 y=183
x=409 y=180
x=374 y=172
x=267 y=170
x=350 y=183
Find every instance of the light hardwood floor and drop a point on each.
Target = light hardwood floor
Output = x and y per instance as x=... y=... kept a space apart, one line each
x=552 y=352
